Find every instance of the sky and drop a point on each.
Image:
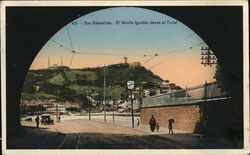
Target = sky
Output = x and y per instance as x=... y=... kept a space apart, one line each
x=132 y=32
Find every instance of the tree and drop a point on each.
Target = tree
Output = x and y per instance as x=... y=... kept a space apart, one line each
x=219 y=77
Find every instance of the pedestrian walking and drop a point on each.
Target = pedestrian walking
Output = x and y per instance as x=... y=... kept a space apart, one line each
x=138 y=122
x=157 y=127
x=59 y=118
x=152 y=123
x=37 y=121
x=170 y=126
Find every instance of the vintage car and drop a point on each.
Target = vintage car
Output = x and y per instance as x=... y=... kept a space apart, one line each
x=121 y=110
x=47 y=119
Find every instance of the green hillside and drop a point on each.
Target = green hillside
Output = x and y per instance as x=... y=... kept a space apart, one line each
x=76 y=84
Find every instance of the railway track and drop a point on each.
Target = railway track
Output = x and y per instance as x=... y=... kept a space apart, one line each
x=70 y=141
x=73 y=141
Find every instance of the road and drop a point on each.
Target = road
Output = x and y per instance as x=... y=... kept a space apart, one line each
x=88 y=134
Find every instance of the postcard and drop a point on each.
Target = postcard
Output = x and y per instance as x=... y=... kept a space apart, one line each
x=124 y=77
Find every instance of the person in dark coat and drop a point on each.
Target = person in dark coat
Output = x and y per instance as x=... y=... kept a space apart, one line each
x=59 y=118
x=37 y=121
x=170 y=126
x=152 y=123
x=138 y=122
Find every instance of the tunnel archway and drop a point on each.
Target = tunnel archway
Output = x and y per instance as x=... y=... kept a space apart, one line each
x=223 y=36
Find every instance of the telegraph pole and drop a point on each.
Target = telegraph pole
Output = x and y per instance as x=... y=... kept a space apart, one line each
x=61 y=60
x=205 y=91
x=104 y=94
x=113 y=106
x=186 y=94
x=208 y=58
x=89 y=104
x=57 y=117
x=132 y=108
x=48 y=62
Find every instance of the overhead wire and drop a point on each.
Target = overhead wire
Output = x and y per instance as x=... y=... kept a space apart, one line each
x=150 y=59
x=71 y=59
x=93 y=53
x=70 y=41
x=175 y=51
x=190 y=35
x=184 y=49
x=60 y=45
x=118 y=54
x=72 y=47
x=155 y=65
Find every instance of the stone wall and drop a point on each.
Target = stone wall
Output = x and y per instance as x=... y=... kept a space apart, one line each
x=217 y=118
x=186 y=117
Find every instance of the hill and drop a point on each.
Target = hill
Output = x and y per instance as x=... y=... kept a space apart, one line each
x=77 y=84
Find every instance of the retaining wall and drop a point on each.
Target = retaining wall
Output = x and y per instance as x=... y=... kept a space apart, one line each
x=185 y=117
x=221 y=117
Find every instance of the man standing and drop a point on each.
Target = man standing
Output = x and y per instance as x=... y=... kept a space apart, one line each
x=138 y=122
x=59 y=118
x=170 y=126
x=37 y=121
x=152 y=123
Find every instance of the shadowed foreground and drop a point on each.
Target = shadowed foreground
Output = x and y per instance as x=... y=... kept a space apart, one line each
x=85 y=134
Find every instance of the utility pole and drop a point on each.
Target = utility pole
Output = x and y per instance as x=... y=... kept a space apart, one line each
x=130 y=85
x=61 y=60
x=205 y=91
x=173 y=96
x=186 y=94
x=89 y=104
x=208 y=58
x=113 y=106
x=132 y=108
x=48 y=62
x=89 y=112
x=57 y=118
x=172 y=86
x=104 y=93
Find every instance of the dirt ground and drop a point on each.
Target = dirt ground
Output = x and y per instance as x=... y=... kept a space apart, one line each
x=83 y=134
x=79 y=126
x=92 y=134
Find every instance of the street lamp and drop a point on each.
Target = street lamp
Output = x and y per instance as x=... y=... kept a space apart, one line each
x=130 y=85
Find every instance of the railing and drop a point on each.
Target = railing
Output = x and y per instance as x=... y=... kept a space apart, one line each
x=205 y=92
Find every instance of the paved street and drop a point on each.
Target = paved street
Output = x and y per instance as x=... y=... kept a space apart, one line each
x=77 y=132
x=85 y=134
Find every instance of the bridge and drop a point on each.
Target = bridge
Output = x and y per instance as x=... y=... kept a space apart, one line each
x=201 y=93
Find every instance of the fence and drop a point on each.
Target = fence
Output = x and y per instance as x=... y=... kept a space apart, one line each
x=205 y=92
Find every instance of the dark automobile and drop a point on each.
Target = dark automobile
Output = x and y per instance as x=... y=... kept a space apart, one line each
x=46 y=119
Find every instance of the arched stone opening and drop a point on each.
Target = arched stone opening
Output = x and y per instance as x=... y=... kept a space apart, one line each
x=214 y=24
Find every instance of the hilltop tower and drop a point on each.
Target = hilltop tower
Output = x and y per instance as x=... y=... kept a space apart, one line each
x=125 y=60
x=48 y=62
x=61 y=60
